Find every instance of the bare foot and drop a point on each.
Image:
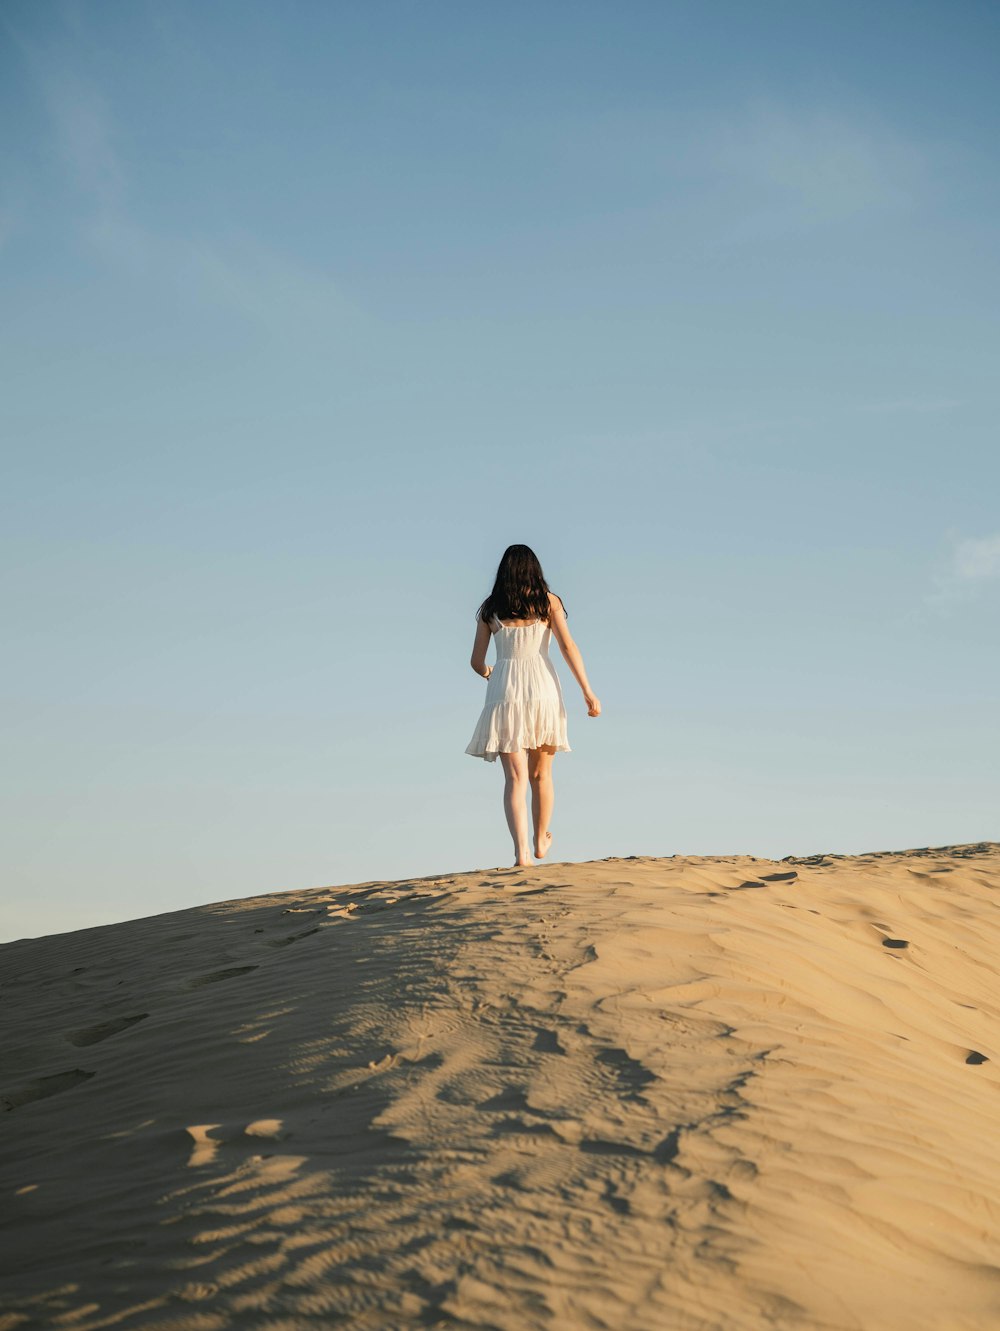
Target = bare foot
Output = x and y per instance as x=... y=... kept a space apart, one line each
x=523 y=864
x=542 y=850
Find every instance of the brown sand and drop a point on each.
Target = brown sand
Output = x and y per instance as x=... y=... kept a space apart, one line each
x=684 y=1094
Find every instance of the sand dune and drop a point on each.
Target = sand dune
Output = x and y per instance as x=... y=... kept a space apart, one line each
x=684 y=1094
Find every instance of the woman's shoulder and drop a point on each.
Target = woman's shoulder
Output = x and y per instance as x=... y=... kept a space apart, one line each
x=556 y=602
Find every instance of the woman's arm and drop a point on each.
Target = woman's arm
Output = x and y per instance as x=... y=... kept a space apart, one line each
x=478 y=661
x=571 y=653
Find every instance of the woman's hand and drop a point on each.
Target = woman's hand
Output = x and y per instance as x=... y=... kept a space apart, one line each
x=593 y=704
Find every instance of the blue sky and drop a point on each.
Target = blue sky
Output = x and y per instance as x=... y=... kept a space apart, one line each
x=313 y=308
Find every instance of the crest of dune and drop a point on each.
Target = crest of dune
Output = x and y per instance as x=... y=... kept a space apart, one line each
x=695 y=1093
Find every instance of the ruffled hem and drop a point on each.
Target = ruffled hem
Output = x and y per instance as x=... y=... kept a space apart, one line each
x=509 y=727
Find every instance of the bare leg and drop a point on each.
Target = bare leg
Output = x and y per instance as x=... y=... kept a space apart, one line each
x=515 y=768
x=542 y=796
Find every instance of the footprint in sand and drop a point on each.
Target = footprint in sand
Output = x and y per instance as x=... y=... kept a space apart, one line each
x=206 y=1138
x=291 y=938
x=95 y=1034
x=215 y=976
x=895 y=942
x=632 y=1076
x=521 y=1127
x=547 y=1042
x=974 y=1056
x=43 y=1088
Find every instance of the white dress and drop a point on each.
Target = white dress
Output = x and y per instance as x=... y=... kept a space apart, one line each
x=524 y=706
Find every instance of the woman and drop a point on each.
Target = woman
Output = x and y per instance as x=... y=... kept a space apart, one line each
x=524 y=719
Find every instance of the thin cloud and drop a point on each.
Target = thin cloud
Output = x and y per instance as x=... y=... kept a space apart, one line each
x=761 y=167
x=244 y=276
x=794 y=169
x=978 y=559
x=236 y=272
x=81 y=121
x=973 y=565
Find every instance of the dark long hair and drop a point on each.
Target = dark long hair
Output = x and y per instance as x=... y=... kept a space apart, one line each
x=520 y=590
